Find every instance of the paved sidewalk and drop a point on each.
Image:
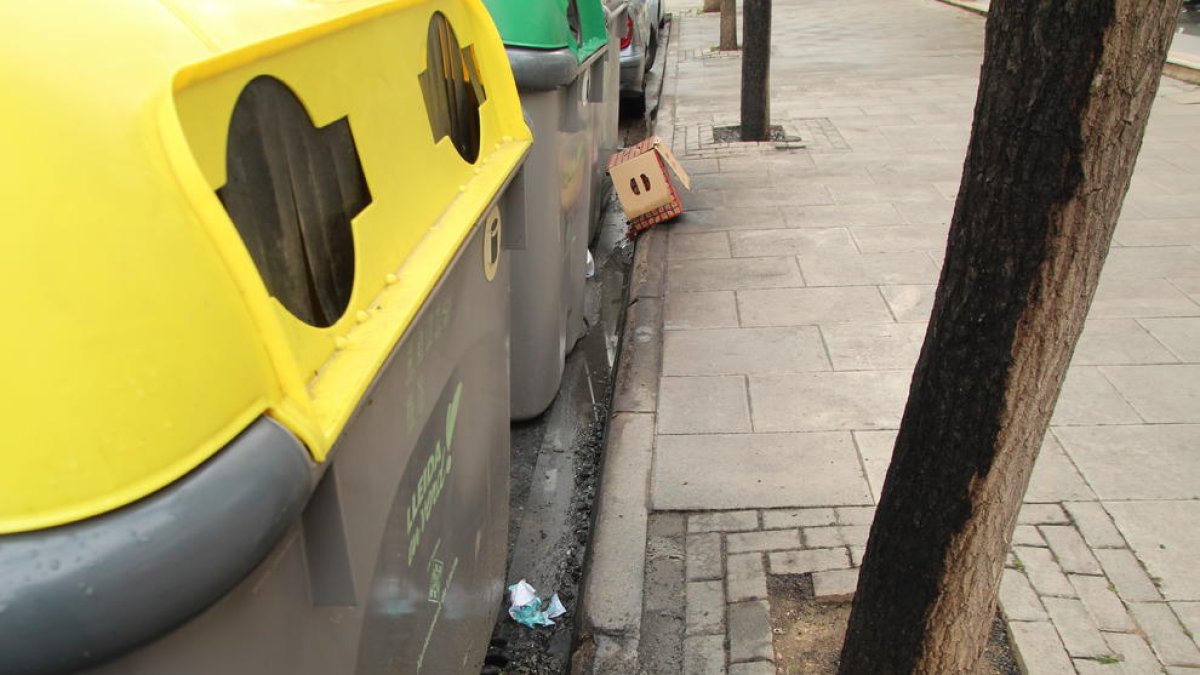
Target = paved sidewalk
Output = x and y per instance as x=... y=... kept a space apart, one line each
x=790 y=315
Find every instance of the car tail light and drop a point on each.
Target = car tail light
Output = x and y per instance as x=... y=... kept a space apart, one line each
x=628 y=37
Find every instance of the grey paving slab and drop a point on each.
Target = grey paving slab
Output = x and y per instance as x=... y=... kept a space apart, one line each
x=823 y=537
x=703 y=556
x=703 y=405
x=704 y=655
x=750 y=218
x=1136 y=462
x=743 y=470
x=1054 y=477
x=1038 y=648
x=843 y=215
x=1102 y=603
x=808 y=306
x=781 y=518
x=1043 y=572
x=1087 y=397
x=1095 y=524
x=1164 y=394
x=808 y=560
x=1018 y=600
x=855 y=515
x=828 y=401
x=813 y=241
x=1138 y=298
x=1027 y=535
x=1120 y=342
x=732 y=274
x=1151 y=262
x=1135 y=654
x=1165 y=633
x=1042 y=514
x=875 y=449
x=1158 y=231
x=723 y=521
x=1190 y=287
x=835 y=585
x=756 y=351
x=879 y=346
x=1068 y=547
x=689 y=245
x=705 y=309
x=705 y=607
x=763 y=540
x=745 y=577
x=928 y=213
x=900 y=238
x=910 y=302
x=891 y=192
x=752 y=668
x=750 y=631
x=1156 y=531
x=1180 y=335
x=1126 y=575
x=808 y=194
x=1189 y=616
x=1076 y=627
x=867 y=269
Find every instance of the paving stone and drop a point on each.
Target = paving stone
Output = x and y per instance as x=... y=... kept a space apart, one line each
x=704 y=655
x=1038 y=648
x=728 y=351
x=691 y=245
x=766 y=540
x=1017 y=598
x=1095 y=525
x=1157 y=232
x=843 y=215
x=892 y=239
x=868 y=194
x=862 y=346
x=1054 y=478
x=1151 y=262
x=808 y=560
x=854 y=535
x=1140 y=298
x=1156 y=533
x=1076 y=627
x=700 y=405
x=829 y=401
x=1189 y=616
x=1136 y=462
x=807 y=306
x=750 y=631
x=1135 y=654
x=743 y=470
x=1181 y=336
x=855 y=515
x=732 y=274
x=1165 y=634
x=705 y=607
x=1101 y=602
x=1072 y=553
x=856 y=555
x=1091 y=667
x=1027 y=535
x=745 y=578
x=1087 y=397
x=753 y=668
x=1107 y=342
x=781 y=518
x=723 y=521
x=1162 y=394
x=1043 y=572
x=1181 y=670
x=721 y=219
x=703 y=556
x=822 y=537
x=867 y=269
x=1042 y=514
x=835 y=585
x=1126 y=575
x=875 y=449
x=909 y=303
x=705 y=309
x=762 y=243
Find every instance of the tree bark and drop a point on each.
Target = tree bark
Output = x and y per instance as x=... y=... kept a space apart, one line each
x=712 y=5
x=1064 y=96
x=729 y=41
x=756 y=69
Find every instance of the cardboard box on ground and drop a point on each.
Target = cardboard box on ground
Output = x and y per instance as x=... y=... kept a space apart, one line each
x=643 y=183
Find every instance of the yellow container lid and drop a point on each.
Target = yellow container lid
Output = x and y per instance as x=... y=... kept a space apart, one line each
x=142 y=335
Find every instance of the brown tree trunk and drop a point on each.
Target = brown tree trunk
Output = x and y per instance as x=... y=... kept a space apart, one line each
x=1064 y=95
x=756 y=69
x=729 y=41
x=712 y=5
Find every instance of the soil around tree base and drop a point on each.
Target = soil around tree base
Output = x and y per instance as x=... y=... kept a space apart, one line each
x=808 y=634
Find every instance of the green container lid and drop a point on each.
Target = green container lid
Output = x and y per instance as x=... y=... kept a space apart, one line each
x=577 y=25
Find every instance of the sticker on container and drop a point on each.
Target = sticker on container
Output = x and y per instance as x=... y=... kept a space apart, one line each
x=491 y=244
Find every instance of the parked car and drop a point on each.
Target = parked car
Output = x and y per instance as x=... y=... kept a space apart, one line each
x=639 y=47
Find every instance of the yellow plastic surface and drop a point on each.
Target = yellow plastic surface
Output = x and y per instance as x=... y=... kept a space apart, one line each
x=139 y=336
